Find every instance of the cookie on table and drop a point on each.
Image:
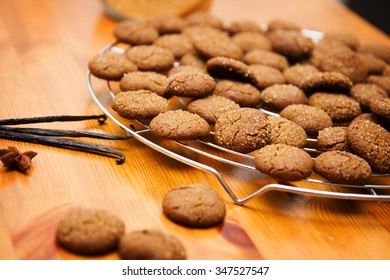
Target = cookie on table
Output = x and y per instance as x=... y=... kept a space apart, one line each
x=193 y=59
x=242 y=130
x=211 y=107
x=179 y=125
x=139 y=104
x=229 y=68
x=342 y=167
x=150 y=244
x=178 y=44
x=378 y=49
x=333 y=139
x=382 y=81
x=194 y=205
x=150 y=57
x=339 y=107
x=242 y=25
x=347 y=38
x=381 y=108
x=186 y=69
x=280 y=96
x=326 y=82
x=89 y=232
x=147 y=80
x=372 y=63
x=110 y=66
x=204 y=18
x=279 y=23
x=366 y=93
x=251 y=40
x=290 y=43
x=266 y=76
x=269 y=58
x=135 y=32
x=283 y=162
x=296 y=73
x=371 y=142
x=243 y=94
x=284 y=131
x=312 y=119
x=191 y=84
x=167 y=24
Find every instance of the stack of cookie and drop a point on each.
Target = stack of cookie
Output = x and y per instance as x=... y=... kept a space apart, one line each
x=258 y=90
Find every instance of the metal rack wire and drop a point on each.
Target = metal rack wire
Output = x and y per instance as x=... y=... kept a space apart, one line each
x=208 y=149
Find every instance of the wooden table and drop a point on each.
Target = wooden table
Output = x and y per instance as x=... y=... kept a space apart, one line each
x=45 y=46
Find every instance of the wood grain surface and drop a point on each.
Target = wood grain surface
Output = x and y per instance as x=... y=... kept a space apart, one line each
x=45 y=46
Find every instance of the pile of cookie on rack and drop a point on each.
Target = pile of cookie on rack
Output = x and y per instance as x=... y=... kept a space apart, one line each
x=258 y=89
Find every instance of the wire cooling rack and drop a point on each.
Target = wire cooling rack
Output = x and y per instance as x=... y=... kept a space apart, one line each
x=207 y=156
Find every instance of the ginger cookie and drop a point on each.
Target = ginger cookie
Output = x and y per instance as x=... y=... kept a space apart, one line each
x=284 y=131
x=110 y=66
x=326 y=82
x=229 y=68
x=195 y=85
x=283 y=162
x=251 y=40
x=333 y=139
x=194 y=205
x=211 y=107
x=266 y=76
x=371 y=142
x=150 y=57
x=382 y=81
x=342 y=167
x=373 y=64
x=179 y=125
x=178 y=44
x=243 y=130
x=381 y=108
x=194 y=60
x=378 y=49
x=366 y=93
x=186 y=69
x=139 y=104
x=242 y=25
x=147 y=80
x=167 y=24
x=312 y=119
x=296 y=73
x=150 y=244
x=269 y=58
x=89 y=232
x=204 y=18
x=135 y=32
x=280 y=96
x=279 y=23
x=243 y=94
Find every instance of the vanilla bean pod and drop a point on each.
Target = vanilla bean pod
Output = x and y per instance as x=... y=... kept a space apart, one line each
x=63 y=118
x=63 y=133
x=62 y=143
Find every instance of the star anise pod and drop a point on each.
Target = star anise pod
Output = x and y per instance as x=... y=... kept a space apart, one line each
x=13 y=159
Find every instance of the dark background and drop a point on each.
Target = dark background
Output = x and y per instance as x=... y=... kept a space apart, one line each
x=377 y=12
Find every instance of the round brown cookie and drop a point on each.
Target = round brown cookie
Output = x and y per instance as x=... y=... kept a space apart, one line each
x=290 y=43
x=243 y=94
x=371 y=142
x=381 y=108
x=179 y=125
x=382 y=81
x=326 y=82
x=251 y=40
x=204 y=18
x=144 y=80
x=267 y=58
x=333 y=139
x=167 y=24
x=229 y=68
x=386 y=70
x=202 y=31
x=217 y=44
x=284 y=131
x=342 y=167
x=211 y=107
x=196 y=85
x=135 y=32
x=266 y=76
x=311 y=118
x=236 y=26
x=139 y=104
x=178 y=44
x=194 y=205
x=280 y=96
x=378 y=49
x=150 y=58
x=193 y=59
x=346 y=38
x=339 y=107
x=283 y=162
x=296 y=73
x=333 y=56
x=89 y=232
x=150 y=244
x=279 y=23
x=373 y=64
x=185 y=69
x=366 y=93
x=110 y=65
x=243 y=130
x=364 y=116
